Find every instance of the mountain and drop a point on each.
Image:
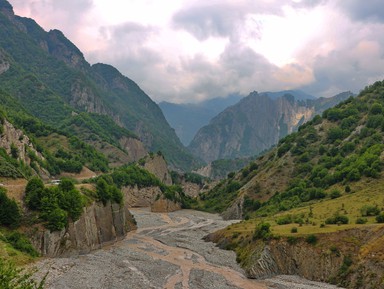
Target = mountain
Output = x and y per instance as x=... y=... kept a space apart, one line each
x=255 y=124
x=51 y=80
x=313 y=204
x=188 y=118
x=298 y=94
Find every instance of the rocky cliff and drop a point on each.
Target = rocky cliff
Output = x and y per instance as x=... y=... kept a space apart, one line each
x=255 y=124
x=141 y=197
x=98 y=225
x=18 y=145
x=351 y=258
x=157 y=165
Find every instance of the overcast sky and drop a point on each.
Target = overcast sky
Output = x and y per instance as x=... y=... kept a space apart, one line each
x=189 y=50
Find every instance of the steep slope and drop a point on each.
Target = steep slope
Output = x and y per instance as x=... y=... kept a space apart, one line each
x=255 y=124
x=313 y=204
x=51 y=78
x=188 y=118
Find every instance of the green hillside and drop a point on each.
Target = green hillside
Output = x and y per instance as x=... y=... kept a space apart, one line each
x=319 y=190
x=51 y=80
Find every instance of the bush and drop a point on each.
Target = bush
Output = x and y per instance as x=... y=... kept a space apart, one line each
x=311 y=239
x=21 y=242
x=293 y=230
x=14 y=278
x=56 y=219
x=369 y=210
x=10 y=215
x=380 y=218
x=337 y=219
x=335 y=194
x=361 y=221
x=263 y=231
x=34 y=193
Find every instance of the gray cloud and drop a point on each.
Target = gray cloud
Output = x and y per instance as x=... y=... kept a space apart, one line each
x=221 y=18
x=370 y=11
x=353 y=36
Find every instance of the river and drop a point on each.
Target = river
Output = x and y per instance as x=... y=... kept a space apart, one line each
x=166 y=252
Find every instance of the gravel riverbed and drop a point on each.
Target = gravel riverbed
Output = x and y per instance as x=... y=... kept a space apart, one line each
x=167 y=251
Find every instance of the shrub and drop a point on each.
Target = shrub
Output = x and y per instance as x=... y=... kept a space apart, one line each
x=14 y=278
x=263 y=231
x=21 y=242
x=369 y=210
x=10 y=215
x=335 y=194
x=311 y=239
x=34 y=193
x=293 y=230
x=361 y=221
x=56 y=219
x=337 y=219
x=380 y=218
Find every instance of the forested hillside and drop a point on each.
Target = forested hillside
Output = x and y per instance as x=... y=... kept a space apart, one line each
x=50 y=79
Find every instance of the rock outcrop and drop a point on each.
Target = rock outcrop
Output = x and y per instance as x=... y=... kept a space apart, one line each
x=235 y=211
x=133 y=147
x=13 y=139
x=308 y=261
x=141 y=197
x=98 y=225
x=157 y=165
x=164 y=206
x=4 y=64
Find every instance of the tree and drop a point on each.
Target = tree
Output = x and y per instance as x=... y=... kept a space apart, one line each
x=34 y=193
x=10 y=215
x=72 y=202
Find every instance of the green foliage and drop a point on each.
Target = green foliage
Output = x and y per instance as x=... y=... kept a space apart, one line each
x=12 y=277
x=55 y=204
x=335 y=194
x=134 y=175
x=361 y=221
x=10 y=214
x=34 y=193
x=311 y=239
x=107 y=191
x=337 y=219
x=262 y=231
x=294 y=230
x=369 y=210
x=380 y=218
x=20 y=242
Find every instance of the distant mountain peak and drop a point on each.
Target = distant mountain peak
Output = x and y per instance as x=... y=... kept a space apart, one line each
x=6 y=6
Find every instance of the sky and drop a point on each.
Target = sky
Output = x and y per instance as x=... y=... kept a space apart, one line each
x=191 y=50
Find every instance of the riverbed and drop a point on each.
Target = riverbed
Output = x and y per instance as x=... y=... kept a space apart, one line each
x=166 y=252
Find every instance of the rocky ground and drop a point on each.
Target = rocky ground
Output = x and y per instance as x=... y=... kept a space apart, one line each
x=166 y=252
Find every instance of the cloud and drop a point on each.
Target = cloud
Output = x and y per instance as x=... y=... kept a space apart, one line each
x=192 y=50
x=366 y=11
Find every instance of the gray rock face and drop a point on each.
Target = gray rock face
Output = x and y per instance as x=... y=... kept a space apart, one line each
x=15 y=137
x=300 y=259
x=97 y=226
x=255 y=124
x=157 y=165
x=4 y=64
x=144 y=197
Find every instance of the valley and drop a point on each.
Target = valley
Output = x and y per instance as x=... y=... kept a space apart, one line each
x=167 y=251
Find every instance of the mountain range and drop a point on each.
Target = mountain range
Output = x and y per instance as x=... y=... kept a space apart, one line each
x=188 y=118
x=255 y=124
x=47 y=77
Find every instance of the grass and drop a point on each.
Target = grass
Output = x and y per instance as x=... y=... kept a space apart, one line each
x=365 y=192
